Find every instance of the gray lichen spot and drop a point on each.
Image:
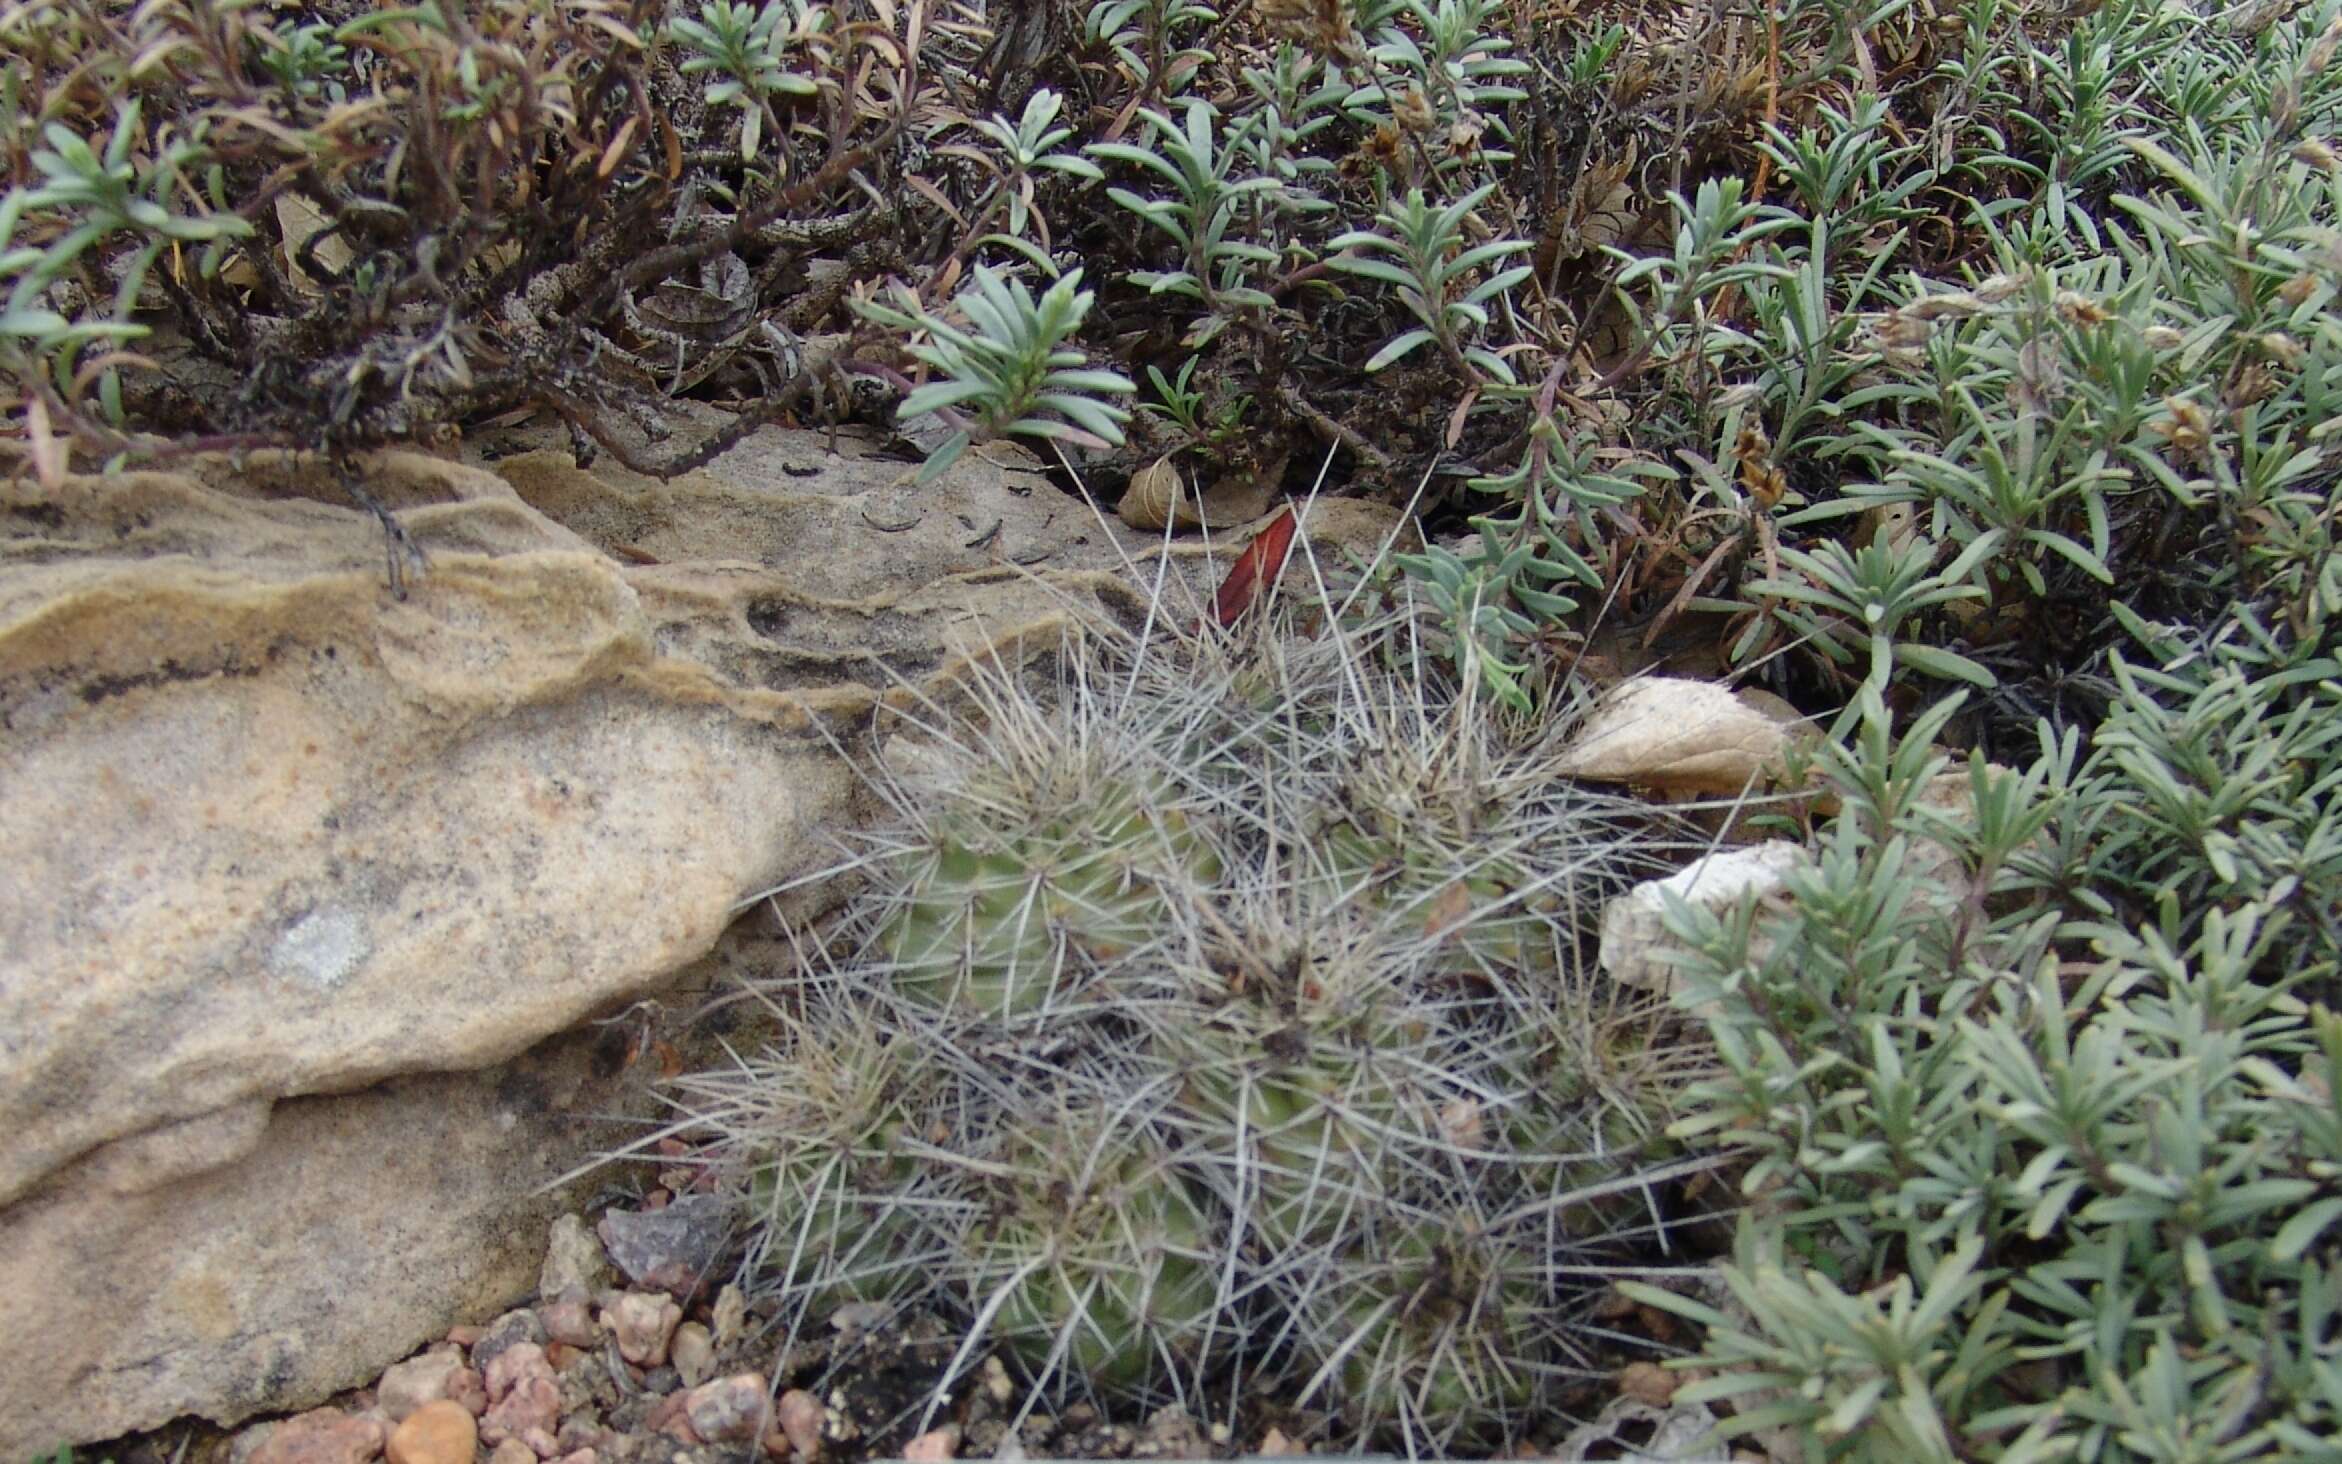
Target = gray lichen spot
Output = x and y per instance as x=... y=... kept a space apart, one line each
x=323 y=948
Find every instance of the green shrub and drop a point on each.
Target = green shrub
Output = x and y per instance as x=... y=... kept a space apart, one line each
x=2045 y=1165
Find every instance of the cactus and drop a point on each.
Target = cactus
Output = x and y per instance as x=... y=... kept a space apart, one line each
x=1025 y=880
x=1097 y=1252
x=1436 y=1324
x=1222 y=1009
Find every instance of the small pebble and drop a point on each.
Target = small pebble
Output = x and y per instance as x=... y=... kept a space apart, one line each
x=408 y=1385
x=541 y=1442
x=801 y=1419
x=513 y=1366
x=512 y=1451
x=439 y=1432
x=1273 y=1445
x=933 y=1446
x=580 y=1433
x=728 y=1410
x=321 y=1436
x=464 y=1336
x=693 y=1354
x=466 y=1386
x=643 y=1323
x=524 y=1400
x=506 y=1332
x=996 y=1381
x=731 y=1314
x=1647 y=1382
x=667 y=1247
x=570 y=1321
x=561 y=1357
x=573 y=1260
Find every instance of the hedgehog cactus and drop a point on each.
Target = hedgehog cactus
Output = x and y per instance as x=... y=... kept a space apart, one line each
x=1022 y=891
x=1098 y=1254
x=1220 y=1011
x=1438 y=1324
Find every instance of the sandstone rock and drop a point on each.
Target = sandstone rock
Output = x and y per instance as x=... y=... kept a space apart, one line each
x=351 y=1234
x=1676 y=735
x=321 y=1436
x=304 y=877
x=437 y=1433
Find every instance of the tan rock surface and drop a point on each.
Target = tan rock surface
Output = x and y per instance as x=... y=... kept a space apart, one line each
x=275 y=834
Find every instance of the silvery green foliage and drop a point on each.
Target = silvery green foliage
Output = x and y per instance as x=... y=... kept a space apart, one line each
x=742 y=49
x=1216 y=1016
x=1418 y=249
x=1012 y=370
x=2042 y=1178
x=95 y=192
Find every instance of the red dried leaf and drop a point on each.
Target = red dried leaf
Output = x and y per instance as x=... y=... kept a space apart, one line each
x=1255 y=569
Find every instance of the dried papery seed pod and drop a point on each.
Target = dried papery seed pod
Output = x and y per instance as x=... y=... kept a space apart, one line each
x=2188 y=427
x=2079 y=309
x=1157 y=496
x=1413 y=111
x=1958 y=304
x=2321 y=53
x=2283 y=349
x=2162 y=338
x=2000 y=287
x=2255 y=383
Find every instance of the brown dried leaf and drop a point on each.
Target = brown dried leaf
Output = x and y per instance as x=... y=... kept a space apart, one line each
x=297 y=218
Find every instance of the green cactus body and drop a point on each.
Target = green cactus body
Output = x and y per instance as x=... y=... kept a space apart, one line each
x=996 y=919
x=1219 y=1011
x=841 y=1226
x=1442 y=1324
x=1112 y=1277
x=1309 y=1123
x=1561 y=1157
x=1488 y=928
